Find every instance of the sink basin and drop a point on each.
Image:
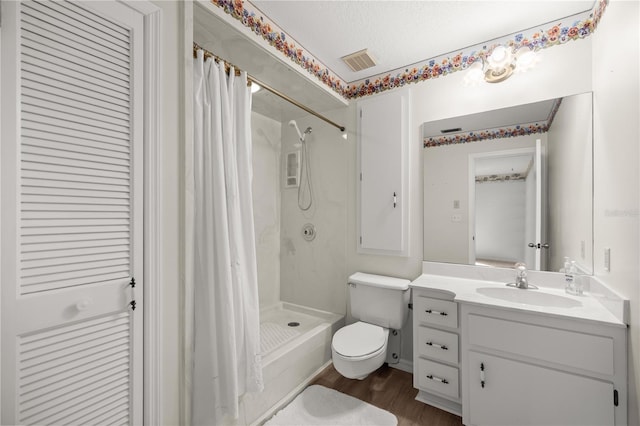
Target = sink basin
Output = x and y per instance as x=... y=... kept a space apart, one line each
x=529 y=297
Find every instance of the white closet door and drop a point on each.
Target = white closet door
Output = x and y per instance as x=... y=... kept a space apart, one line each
x=71 y=219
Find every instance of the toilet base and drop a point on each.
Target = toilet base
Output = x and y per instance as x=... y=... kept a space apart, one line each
x=358 y=369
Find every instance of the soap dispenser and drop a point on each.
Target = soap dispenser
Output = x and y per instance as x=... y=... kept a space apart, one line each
x=571 y=283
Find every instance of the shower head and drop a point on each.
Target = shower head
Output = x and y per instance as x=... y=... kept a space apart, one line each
x=293 y=124
x=301 y=135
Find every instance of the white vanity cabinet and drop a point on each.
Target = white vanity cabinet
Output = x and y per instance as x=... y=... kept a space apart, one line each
x=383 y=190
x=526 y=369
x=436 y=352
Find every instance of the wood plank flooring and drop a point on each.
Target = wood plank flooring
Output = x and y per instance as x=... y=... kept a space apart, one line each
x=391 y=390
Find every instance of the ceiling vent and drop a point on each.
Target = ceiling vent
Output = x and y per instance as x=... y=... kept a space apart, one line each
x=359 y=61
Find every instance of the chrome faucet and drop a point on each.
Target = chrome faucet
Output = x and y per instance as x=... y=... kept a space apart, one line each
x=521 y=277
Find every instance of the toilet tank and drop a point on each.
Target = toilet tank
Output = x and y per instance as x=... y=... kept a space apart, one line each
x=379 y=300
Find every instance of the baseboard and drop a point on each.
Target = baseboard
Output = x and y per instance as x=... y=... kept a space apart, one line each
x=441 y=403
x=403 y=365
x=289 y=397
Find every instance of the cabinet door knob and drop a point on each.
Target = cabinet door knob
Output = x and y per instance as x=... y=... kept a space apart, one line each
x=395 y=200
x=482 y=374
x=83 y=304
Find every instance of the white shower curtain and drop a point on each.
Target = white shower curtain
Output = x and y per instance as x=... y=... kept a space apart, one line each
x=226 y=339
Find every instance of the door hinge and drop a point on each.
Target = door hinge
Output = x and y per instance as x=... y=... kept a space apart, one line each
x=615 y=398
x=132 y=283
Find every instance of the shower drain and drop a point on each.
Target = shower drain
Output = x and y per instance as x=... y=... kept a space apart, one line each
x=293 y=324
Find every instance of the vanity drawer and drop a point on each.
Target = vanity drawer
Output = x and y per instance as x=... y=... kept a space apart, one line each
x=573 y=349
x=435 y=311
x=438 y=345
x=440 y=378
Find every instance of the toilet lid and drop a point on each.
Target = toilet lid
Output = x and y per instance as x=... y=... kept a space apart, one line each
x=359 y=339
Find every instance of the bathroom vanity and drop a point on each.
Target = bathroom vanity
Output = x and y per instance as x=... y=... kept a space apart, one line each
x=500 y=355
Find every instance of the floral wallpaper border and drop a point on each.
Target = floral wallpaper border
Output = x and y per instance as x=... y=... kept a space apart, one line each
x=494 y=133
x=512 y=177
x=282 y=42
x=560 y=33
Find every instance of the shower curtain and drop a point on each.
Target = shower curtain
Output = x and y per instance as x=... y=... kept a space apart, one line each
x=226 y=339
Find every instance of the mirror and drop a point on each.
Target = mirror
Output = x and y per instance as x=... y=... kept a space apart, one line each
x=511 y=185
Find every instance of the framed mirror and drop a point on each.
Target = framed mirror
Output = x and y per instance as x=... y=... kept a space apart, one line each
x=511 y=185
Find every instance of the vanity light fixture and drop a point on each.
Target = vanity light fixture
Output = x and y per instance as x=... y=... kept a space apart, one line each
x=500 y=64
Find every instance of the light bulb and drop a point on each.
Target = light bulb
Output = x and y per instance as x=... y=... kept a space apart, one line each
x=474 y=73
x=499 y=57
x=527 y=59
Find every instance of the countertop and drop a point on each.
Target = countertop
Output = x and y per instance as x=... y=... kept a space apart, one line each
x=586 y=307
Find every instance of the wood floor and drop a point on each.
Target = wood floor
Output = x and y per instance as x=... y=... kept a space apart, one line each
x=392 y=390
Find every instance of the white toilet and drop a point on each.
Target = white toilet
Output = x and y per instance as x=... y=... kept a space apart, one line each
x=379 y=303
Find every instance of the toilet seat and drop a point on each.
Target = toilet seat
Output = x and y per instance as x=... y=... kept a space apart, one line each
x=360 y=340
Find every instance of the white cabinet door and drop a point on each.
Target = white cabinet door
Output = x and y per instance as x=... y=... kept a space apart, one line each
x=72 y=204
x=383 y=196
x=516 y=393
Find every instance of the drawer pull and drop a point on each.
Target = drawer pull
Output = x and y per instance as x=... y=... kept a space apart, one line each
x=437 y=379
x=482 y=374
x=443 y=347
x=431 y=311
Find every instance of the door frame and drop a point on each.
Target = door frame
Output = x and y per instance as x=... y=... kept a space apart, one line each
x=473 y=157
x=152 y=240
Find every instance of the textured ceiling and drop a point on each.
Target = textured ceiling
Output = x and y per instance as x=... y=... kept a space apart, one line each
x=401 y=33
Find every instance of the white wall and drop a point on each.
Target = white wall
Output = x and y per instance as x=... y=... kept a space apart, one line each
x=500 y=220
x=570 y=186
x=265 y=134
x=616 y=102
x=313 y=273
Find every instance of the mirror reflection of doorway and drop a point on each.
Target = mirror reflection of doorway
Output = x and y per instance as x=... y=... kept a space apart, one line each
x=506 y=201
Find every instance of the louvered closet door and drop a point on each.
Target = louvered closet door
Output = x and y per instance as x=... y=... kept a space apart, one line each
x=71 y=213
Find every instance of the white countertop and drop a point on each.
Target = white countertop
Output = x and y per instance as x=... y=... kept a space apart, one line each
x=588 y=307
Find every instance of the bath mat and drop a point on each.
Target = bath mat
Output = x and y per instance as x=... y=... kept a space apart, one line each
x=317 y=405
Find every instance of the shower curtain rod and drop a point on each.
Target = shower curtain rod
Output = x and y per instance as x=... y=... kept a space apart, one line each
x=268 y=88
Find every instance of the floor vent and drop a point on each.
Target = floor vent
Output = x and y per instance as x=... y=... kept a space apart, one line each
x=360 y=60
